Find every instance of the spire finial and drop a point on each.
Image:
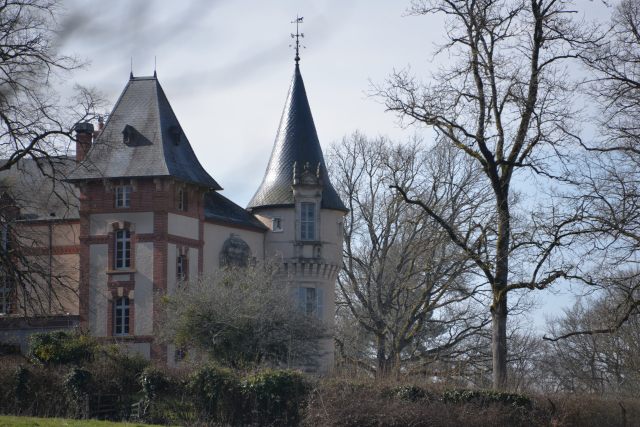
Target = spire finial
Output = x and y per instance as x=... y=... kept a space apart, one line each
x=297 y=36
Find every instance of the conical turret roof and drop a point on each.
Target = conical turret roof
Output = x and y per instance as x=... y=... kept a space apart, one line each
x=141 y=139
x=296 y=142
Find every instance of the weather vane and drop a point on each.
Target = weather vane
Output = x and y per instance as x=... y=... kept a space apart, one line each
x=297 y=36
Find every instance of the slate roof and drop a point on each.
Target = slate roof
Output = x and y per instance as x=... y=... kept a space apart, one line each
x=39 y=189
x=157 y=146
x=296 y=141
x=219 y=208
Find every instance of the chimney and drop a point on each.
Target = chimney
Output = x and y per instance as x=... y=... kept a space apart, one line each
x=84 y=138
x=100 y=127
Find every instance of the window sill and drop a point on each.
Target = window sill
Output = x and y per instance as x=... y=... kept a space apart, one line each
x=120 y=271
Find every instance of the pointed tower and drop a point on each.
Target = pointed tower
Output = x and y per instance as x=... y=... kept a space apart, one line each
x=302 y=210
x=144 y=201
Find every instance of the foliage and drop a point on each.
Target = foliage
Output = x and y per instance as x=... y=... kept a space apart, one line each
x=266 y=397
x=394 y=402
x=277 y=396
x=242 y=317
x=460 y=395
x=411 y=393
x=215 y=392
x=77 y=382
x=61 y=347
x=11 y=421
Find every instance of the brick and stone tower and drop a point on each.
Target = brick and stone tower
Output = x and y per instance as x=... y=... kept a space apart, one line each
x=302 y=210
x=142 y=212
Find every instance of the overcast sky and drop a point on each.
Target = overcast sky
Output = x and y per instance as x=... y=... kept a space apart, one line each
x=226 y=67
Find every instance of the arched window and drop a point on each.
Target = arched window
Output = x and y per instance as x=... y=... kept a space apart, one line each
x=123 y=250
x=121 y=316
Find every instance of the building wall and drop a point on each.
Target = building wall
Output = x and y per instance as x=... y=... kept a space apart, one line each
x=215 y=236
x=313 y=264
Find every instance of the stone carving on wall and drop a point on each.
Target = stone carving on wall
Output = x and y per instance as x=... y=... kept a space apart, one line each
x=235 y=252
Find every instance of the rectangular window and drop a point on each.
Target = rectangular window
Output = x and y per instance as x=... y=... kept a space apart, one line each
x=121 y=316
x=182 y=268
x=123 y=196
x=123 y=250
x=277 y=224
x=6 y=294
x=5 y=236
x=308 y=221
x=182 y=200
x=311 y=301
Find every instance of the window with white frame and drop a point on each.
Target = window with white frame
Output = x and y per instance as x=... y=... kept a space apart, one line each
x=276 y=224
x=308 y=221
x=6 y=295
x=179 y=355
x=182 y=268
x=123 y=250
x=121 y=316
x=340 y=228
x=123 y=196
x=182 y=200
x=311 y=301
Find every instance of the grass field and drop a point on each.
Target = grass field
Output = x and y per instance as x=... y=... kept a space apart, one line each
x=7 y=421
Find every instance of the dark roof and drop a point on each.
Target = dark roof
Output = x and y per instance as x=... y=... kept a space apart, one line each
x=39 y=189
x=296 y=141
x=142 y=138
x=220 y=209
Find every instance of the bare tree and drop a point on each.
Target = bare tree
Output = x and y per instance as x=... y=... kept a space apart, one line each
x=36 y=132
x=608 y=179
x=406 y=293
x=596 y=363
x=506 y=103
x=242 y=316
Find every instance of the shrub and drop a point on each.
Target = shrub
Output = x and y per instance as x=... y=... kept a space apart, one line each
x=61 y=347
x=462 y=395
x=276 y=397
x=410 y=393
x=216 y=393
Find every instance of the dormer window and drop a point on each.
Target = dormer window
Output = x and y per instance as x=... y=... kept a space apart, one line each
x=128 y=135
x=176 y=135
x=123 y=196
x=308 y=221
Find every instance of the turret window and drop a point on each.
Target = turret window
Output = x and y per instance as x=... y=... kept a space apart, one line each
x=277 y=224
x=308 y=221
x=311 y=301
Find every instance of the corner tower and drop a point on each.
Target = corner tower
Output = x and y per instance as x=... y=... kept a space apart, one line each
x=302 y=210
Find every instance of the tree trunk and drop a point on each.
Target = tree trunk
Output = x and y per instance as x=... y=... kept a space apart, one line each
x=499 y=343
x=382 y=361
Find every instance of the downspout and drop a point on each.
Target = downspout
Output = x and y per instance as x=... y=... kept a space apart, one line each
x=50 y=262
